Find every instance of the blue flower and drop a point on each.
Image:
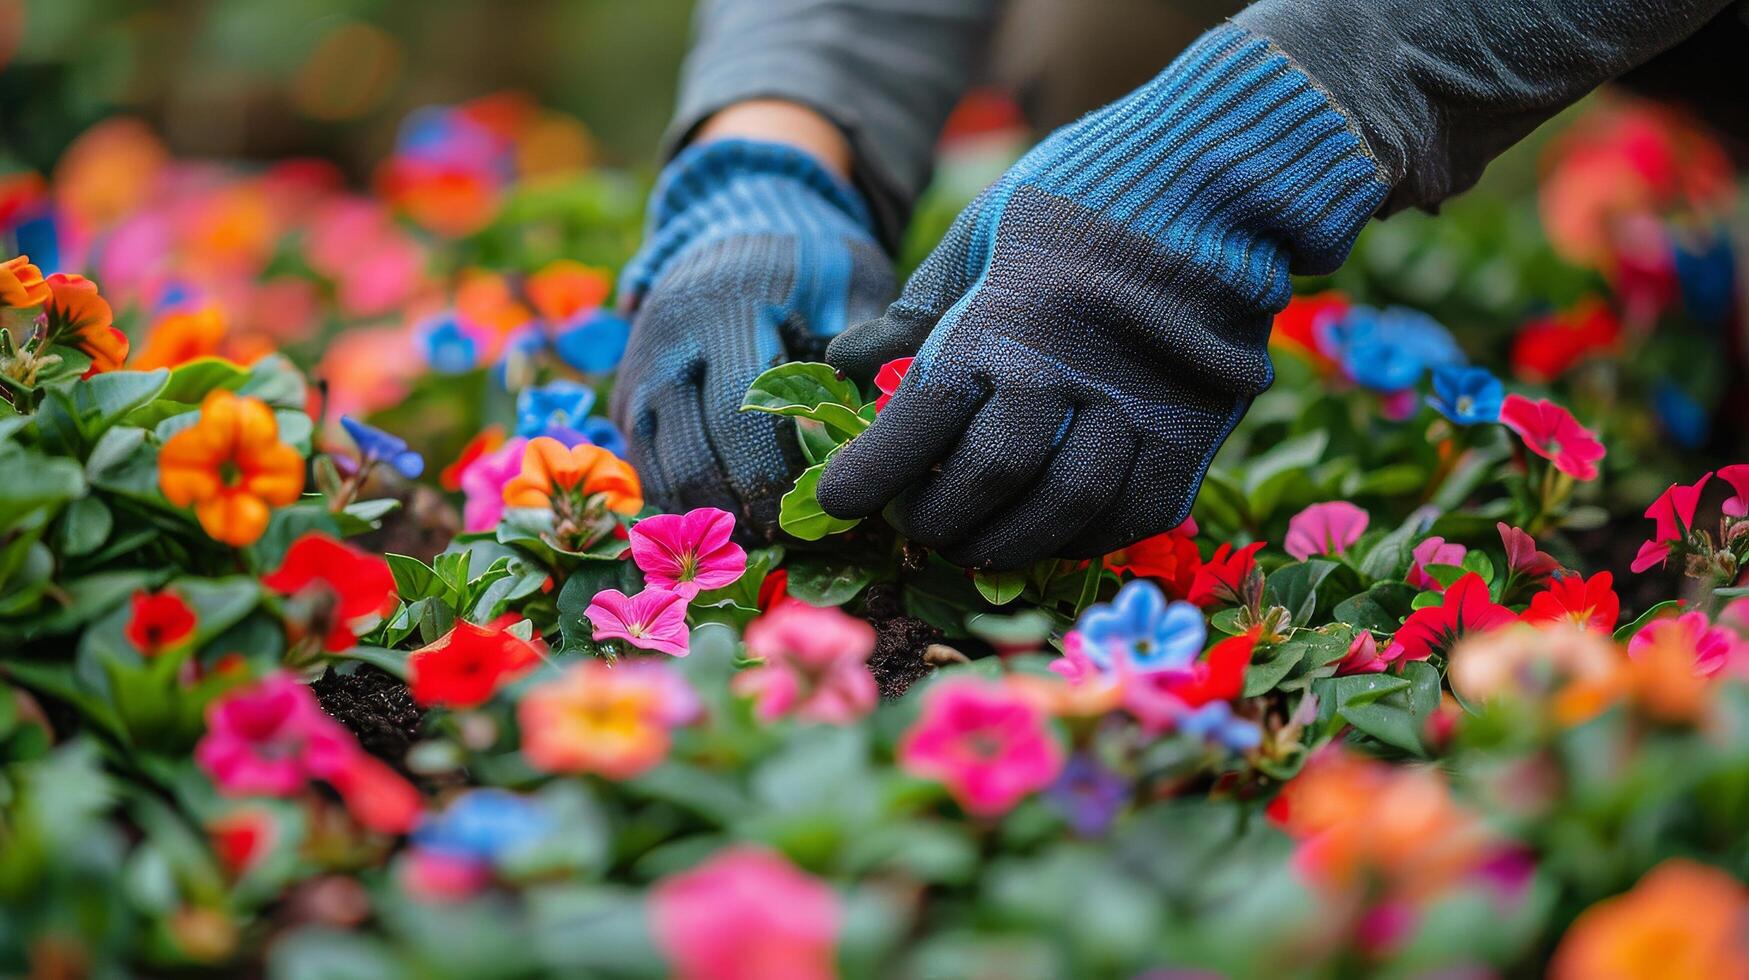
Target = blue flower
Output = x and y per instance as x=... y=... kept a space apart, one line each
x=448 y=348
x=1467 y=395
x=602 y=432
x=1681 y=416
x=376 y=445
x=1144 y=630
x=1088 y=795
x=565 y=403
x=595 y=344
x=1708 y=279
x=483 y=824
x=516 y=365
x=1214 y=723
x=1390 y=349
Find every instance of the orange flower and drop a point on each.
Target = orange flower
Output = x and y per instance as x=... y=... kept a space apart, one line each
x=78 y=317
x=21 y=284
x=1683 y=921
x=565 y=288
x=231 y=467
x=547 y=466
x=182 y=336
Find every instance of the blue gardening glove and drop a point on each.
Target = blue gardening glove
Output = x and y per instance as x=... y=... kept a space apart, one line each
x=1096 y=322
x=756 y=256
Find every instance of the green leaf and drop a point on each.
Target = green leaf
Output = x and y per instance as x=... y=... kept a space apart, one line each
x=1476 y=560
x=1262 y=678
x=35 y=482
x=276 y=381
x=413 y=578
x=1381 y=608
x=820 y=581
x=84 y=526
x=579 y=589
x=1295 y=587
x=364 y=516
x=800 y=512
x=1391 y=556
x=812 y=391
x=1268 y=475
x=999 y=588
x=103 y=399
x=1668 y=606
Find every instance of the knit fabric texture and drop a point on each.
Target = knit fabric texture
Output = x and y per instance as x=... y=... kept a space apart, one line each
x=1093 y=326
x=755 y=255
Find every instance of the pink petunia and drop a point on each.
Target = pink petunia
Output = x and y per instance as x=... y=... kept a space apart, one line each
x=688 y=553
x=1737 y=475
x=271 y=740
x=746 y=914
x=816 y=665
x=1074 y=665
x=654 y=619
x=1433 y=551
x=483 y=483
x=987 y=743
x=1710 y=646
x=1551 y=432
x=1363 y=656
x=1324 y=529
x=1672 y=515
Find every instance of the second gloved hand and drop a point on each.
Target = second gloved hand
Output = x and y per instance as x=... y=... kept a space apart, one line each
x=1093 y=326
x=757 y=256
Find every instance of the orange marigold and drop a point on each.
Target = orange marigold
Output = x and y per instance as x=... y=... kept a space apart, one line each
x=181 y=336
x=231 y=467
x=1683 y=921
x=548 y=467
x=78 y=317
x=21 y=284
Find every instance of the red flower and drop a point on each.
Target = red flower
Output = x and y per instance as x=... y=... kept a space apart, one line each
x=1432 y=629
x=1222 y=577
x=1220 y=675
x=1297 y=325
x=1170 y=559
x=1545 y=349
x=159 y=622
x=1551 y=432
x=887 y=379
x=465 y=666
x=1522 y=556
x=1737 y=475
x=242 y=838
x=1587 y=603
x=773 y=590
x=489 y=439
x=343 y=585
x=1673 y=514
x=377 y=796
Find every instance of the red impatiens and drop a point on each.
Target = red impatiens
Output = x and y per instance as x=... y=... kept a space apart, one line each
x=1171 y=559
x=888 y=379
x=1222 y=577
x=1551 y=432
x=1432 y=629
x=158 y=622
x=1673 y=515
x=339 y=587
x=1587 y=603
x=464 y=668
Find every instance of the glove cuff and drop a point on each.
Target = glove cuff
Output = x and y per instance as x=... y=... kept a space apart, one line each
x=1232 y=147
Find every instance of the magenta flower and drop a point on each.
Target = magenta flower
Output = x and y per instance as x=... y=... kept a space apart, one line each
x=1522 y=556
x=483 y=483
x=1711 y=646
x=989 y=745
x=1737 y=475
x=1551 y=432
x=816 y=665
x=654 y=619
x=688 y=553
x=1363 y=656
x=1672 y=515
x=1324 y=529
x=746 y=914
x=271 y=739
x=1433 y=551
x=1074 y=666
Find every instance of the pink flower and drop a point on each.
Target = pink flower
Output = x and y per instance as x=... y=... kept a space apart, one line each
x=1551 y=432
x=1465 y=608
x=1074 y=665
x=688 y=553
x=987 y=743
x=483 y=483
x=654 y=619
x=1710 y=646
x=1434 y=551
x=816 y=665
x=1522 y=556
x=888 y=379
x=746 y=914
x=1673 y=515
x=1362 y=656
x=1324 y=529
x=271 y=740
x=1737 y=475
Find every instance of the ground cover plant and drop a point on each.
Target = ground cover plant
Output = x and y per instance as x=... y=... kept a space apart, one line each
x=336 y=638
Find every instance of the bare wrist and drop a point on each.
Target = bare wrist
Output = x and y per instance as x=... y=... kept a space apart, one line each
x=780 y=121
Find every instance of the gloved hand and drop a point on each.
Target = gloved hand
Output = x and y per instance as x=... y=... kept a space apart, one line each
x=756 y=256
x=1096 y=322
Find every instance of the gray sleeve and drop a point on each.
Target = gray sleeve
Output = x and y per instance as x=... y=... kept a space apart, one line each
x=887 y=72
x=1440 y=87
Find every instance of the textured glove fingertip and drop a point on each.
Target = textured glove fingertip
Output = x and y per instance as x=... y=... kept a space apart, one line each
x=861 y=350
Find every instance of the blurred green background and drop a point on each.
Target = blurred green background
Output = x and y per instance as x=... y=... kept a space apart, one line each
x=261 y=79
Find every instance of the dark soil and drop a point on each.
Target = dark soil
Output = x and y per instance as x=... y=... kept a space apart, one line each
x=900 y=643
x=375 y=707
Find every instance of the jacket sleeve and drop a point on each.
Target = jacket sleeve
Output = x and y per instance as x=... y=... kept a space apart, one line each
x=1441 y=87
x=887 y=72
